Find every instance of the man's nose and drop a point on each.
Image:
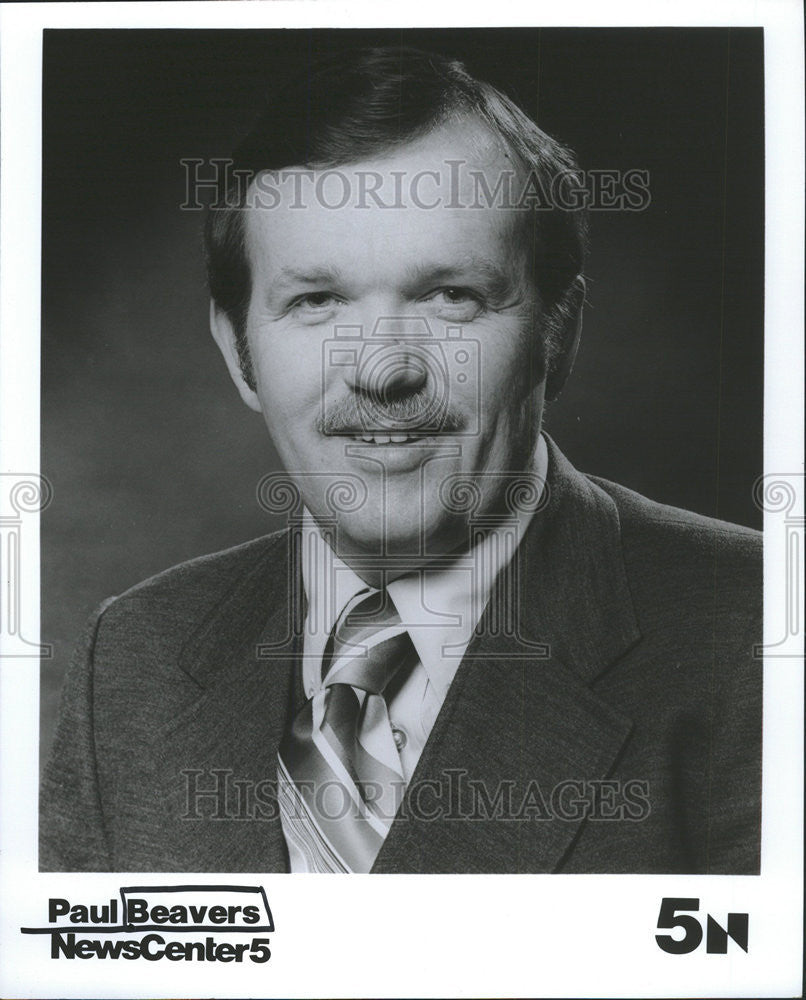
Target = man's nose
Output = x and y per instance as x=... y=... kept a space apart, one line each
x=387 y=371
x=392 y=362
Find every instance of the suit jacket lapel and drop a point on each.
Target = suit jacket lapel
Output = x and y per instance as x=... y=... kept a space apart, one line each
x=242 y=657
x=520 y=721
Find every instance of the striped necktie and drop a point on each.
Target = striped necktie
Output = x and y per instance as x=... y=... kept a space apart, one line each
x=340 y=780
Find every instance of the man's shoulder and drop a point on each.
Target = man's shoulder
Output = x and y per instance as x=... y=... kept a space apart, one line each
x=191 y=590
x=648 y=522
x=679 y=555
x=647 y=529
x=212 y=571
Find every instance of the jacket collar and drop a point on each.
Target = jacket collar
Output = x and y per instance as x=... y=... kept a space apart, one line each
x=521 y=722
x=258 y=611
x=520 y=709
x=568 y=581
x=243 y=656
x=574 y=595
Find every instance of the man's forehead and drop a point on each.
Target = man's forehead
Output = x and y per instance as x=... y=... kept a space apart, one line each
x=296 y=249
x=431 y=193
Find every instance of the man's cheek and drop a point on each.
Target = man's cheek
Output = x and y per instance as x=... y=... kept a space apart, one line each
x=286 y=428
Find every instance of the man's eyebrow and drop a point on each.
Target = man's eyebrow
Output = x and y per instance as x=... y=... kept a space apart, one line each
x=306 y=276
x=496 y=278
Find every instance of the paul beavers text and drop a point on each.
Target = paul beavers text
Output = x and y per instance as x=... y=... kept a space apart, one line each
x=94 y=923
x=138 y=911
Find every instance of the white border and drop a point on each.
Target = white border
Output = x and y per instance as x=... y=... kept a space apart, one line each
x=421 y=935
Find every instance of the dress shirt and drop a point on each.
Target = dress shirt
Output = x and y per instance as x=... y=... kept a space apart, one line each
x=441 y=608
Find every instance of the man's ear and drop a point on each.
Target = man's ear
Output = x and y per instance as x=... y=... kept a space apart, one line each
x=224 y=336
x=564 y=361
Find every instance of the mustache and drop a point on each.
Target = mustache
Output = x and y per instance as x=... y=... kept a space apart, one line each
x=418 y=411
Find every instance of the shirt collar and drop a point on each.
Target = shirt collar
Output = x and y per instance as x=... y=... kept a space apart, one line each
x=442 y=606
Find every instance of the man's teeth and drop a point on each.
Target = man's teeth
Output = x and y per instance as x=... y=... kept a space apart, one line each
x=386 y=438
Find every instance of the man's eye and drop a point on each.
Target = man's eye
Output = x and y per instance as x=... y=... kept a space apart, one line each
x=456 y=299
x=456 y=296
x=316 y=300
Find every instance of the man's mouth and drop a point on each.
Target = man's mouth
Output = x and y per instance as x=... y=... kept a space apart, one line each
x=397 y=437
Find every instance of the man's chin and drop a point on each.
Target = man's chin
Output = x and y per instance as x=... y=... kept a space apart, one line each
x=398 y=546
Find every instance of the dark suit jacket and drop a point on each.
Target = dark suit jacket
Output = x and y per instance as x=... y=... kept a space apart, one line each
x=631 y=660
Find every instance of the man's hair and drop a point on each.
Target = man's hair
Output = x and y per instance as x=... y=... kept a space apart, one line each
x=342 y=112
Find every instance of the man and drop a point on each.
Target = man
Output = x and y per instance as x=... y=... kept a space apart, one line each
x=462 y=655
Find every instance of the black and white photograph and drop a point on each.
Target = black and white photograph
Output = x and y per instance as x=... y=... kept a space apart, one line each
x=404 y=497
x=546 y=671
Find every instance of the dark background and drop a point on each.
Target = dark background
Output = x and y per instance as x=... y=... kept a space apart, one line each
x=152 y=457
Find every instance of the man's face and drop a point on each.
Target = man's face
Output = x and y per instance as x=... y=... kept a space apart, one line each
x=395 y=347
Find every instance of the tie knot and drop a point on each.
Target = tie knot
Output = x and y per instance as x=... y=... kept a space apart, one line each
x=368 y=645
